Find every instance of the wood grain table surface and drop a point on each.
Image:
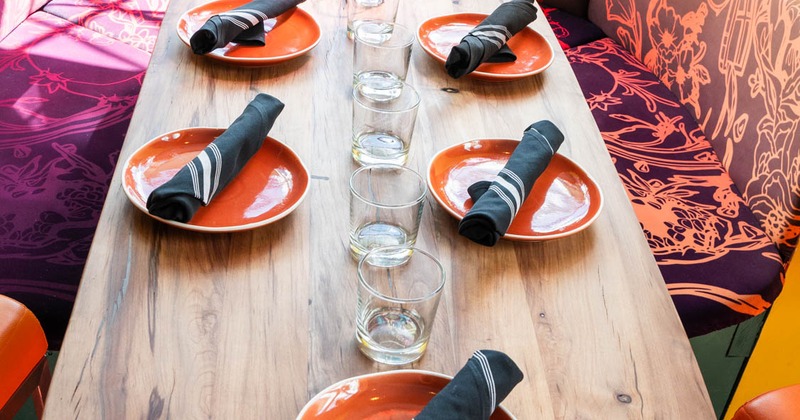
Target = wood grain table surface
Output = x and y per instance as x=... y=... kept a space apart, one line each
x=171 y=323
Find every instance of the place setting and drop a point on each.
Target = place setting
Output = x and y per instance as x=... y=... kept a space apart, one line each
x=495 y=47
x=216 y=179
x=250 y=34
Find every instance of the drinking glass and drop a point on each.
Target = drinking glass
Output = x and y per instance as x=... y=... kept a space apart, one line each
x=381 y=56
x=397 y=304
x=361 y=10
x=382 y=129
x=386 y=203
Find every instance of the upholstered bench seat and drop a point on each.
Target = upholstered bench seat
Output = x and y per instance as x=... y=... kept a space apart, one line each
x=718 y=264
x=67 y=97
x=134 y=22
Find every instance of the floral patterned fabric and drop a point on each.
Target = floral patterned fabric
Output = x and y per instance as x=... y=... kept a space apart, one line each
x=62 y=123
x=735 y=65
x=134 y=22
x=13 y=12
x=571 y=30
x=719 y=265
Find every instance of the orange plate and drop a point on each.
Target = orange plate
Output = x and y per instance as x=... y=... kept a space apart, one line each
x=270 y=186
x=294 y=34
x=396 y=394
x=564 y=200
x=440 y=34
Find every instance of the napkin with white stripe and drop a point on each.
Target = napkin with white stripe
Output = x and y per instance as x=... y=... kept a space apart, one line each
x=497 y=202
x=243 y=25
x=487 y=42
x=476 y=390
x=200 y=180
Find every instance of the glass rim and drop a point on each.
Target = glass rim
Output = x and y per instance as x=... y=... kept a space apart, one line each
x=403 y=85
x=413 y=202
x=439 y=287
x=408 y=30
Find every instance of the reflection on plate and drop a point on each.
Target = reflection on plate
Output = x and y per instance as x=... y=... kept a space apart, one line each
x=290 y=35
x=397 y=394
x=270 y=186
x=439 y=35
x=564 y=200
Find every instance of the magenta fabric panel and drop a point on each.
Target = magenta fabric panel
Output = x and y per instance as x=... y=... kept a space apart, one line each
x=719 y=266
x=13 y=12
x=68 y=96
x=571 y=30
x=134 y=22
x=735 y=66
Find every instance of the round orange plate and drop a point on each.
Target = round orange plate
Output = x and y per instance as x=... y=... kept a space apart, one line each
x=439 y=35
x=294 y=34
x=270 y=186
x=391 y=395
x=564 y=200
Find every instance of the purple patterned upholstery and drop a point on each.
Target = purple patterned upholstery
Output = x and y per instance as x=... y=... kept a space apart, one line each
x=571 y=30
x=717 y=261
x=719 y=265
x=68 y=95
x=734 y=65
x=134 y=22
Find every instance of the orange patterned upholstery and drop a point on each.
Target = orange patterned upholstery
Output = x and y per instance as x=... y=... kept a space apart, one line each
x=22 y=346
x=735 y=65
x=780 y=404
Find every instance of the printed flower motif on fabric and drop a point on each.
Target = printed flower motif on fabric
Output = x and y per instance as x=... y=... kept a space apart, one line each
x=761 y=54
x=744 y=93
x=677 y=52
x=629 y=32
x=686 y=202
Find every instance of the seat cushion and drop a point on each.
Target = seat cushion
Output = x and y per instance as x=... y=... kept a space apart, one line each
x=735 y=66
x=22 y=345
x=571 y=30
x=134 y=22
x=68 y=96
x=719 y=266
x=779 y=404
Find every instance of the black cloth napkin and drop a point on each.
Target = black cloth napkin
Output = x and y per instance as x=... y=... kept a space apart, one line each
x=487 y=42
x=244 y=25
x=476 y=390
x=210 y=171
x=496 y=203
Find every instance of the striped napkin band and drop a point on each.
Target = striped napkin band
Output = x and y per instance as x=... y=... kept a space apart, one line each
x=486 y=43
x=497 y=202
x=207 y=174
x=477 y=389
x=243 y=25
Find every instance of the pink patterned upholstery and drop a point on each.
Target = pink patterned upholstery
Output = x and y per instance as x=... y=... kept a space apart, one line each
x=68 y=95
x=13 y=12
x=735 y=65
x=134 y=22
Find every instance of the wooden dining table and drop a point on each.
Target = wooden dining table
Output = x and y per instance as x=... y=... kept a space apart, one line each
x=172 y=323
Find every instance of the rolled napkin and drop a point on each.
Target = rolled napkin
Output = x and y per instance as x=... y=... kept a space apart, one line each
x=210 y=171
x=244 y=25
x=487 y=42
x=476 y=390
x=496 y=203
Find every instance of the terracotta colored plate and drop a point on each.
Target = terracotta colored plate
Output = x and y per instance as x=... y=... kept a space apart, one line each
x=391 y=395
x=564 y=200
x=439 y=35
x=294 y=34
x=270 y=186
